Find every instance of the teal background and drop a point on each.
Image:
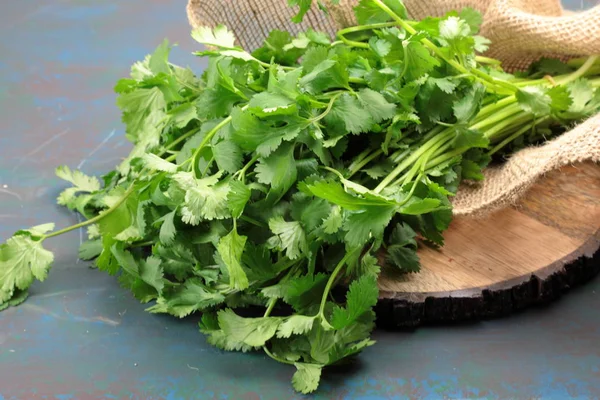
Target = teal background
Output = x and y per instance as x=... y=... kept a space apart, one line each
x=80 y=336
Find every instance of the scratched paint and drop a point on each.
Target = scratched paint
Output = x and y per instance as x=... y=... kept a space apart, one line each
x=80 y=336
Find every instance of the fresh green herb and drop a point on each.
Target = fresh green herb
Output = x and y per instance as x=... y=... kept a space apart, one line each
x=277 y=176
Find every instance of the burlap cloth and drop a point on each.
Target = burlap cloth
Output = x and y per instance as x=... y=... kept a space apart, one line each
x=521 y=32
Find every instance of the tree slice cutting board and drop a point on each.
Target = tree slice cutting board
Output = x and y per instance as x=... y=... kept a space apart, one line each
x=520 y=256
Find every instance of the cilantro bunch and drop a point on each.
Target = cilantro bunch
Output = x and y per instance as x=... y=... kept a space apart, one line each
x=269 y=192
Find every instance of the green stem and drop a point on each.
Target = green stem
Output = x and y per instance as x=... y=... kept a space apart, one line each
x=353 y=43
x=577 y=62
x=252 y=221
x=341 y=34
x=445 y=135
x=270 y=307
x=179 y=140
x=399 y=155
x=516 y=135
x=487 y=60
x=327 y=110
x=361 y=28
x=93 y=220
x=208 y=165
x=142 y=244
x=580 y=72
x=505 y=113
x=517 y=119
x=274 y=357
x=358 y=81
x=412 y=191
x=208 y=137
x=242 y=172
x=354 y=168
x=445 y=157
x=420 y=164
x=332 y=278
x=491 y=108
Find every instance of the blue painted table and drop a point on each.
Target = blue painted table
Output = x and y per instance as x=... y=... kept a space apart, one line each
x=80 y=336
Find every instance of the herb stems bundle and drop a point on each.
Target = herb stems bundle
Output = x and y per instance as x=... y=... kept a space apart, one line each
x=258 y=191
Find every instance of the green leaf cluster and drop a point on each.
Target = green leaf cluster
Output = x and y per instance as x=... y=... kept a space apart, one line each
x=286 y=179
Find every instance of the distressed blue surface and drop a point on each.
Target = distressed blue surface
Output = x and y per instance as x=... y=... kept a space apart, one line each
x=80 y=336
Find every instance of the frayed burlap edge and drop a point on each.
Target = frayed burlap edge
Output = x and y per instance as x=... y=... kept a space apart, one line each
x=504 y=185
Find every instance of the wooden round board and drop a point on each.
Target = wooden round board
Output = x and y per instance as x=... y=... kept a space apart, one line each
x=520 y=256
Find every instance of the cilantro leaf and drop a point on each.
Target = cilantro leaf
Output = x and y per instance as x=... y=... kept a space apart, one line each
x=467 y=107
x=376 y=105
x=82 y=184
x=561 y=99
x=278 y=46
x=285 y=83
x=252 y=331
x=299 y=292
x=406 y=259
x=265 y=104
x=468 y=138
x=367 y=265
x=167 y=229
x=328 y=74
x=368 y=223
x=310 y=212
x=143 y=110
x=90 y=249
x=154 y=162
x=183 y=114
x=313 y=57
x=278 y=170
x=368 y=12
x=306 y=378
x=205 y=199
x=219 y=36
x=21 y=260
x=290 y=236
x=335 y=193
x=18 y=297
x=472 y=17
x=444 y=84
x=230 y=249
x=581 y=93
x=295 y=325
x=534 y=99
x=264 y=136
x=418 y=206
x=349 y=112
x=81 y=181
x=190 y=297
x=333 y=222
x=228 y=156
x=454 y=27
x=303 y=7
x=142 y=273
x=471 y=170
x=418 y=59
x=402 y=251
x=237 y=198
x=362 y=296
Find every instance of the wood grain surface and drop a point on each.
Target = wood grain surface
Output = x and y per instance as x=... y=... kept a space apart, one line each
x=516 y=257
